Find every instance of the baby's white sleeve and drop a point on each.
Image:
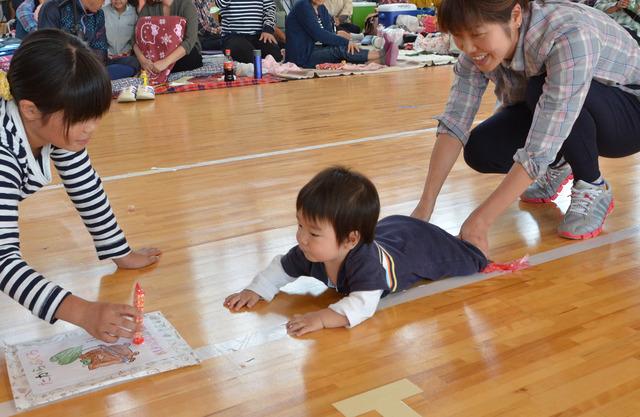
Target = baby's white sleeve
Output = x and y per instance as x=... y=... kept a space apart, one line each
x=358 y=306
x=268 y=282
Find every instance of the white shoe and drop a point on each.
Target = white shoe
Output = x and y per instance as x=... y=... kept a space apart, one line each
x=127 y=95
x=146 y=92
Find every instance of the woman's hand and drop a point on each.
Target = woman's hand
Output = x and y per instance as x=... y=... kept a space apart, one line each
x=344 y=34
x=161 y=65
x=353 y=48
x=139 y=258
x=268 y=38
x=475 y=230
x=147 y=65
x=423 y=210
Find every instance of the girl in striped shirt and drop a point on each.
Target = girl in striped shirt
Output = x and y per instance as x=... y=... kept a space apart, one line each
x=55 y=93
x=249 y=25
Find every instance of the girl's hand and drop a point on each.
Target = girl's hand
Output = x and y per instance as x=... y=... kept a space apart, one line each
x=474 y=230
x=268 y=38
x=244 y=298
x=139 y=258
x=352 y=48
x=108 y=322
x=305 y=323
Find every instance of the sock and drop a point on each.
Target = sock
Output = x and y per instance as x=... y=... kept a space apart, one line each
x=599 y=182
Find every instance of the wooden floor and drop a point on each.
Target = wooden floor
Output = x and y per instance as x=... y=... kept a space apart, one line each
x=559 y=339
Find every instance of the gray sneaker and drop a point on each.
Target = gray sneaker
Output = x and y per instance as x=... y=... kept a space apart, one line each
x=590 y=205
x=547 y=187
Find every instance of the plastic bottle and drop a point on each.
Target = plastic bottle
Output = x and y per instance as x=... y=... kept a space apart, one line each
x=229 y=72
x=257 y=64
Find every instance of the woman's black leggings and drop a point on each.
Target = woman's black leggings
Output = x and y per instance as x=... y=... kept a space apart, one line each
x=608 y=125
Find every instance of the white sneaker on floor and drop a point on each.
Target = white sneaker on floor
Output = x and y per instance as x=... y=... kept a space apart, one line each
x=590 y=205
x=146 y=92
x=546 y=188
x=127 y=95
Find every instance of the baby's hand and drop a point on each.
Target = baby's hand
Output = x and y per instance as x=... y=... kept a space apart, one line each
x=244 y=298
x=305 y=323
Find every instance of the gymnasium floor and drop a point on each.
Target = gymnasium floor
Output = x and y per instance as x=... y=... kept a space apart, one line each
x=211 y=178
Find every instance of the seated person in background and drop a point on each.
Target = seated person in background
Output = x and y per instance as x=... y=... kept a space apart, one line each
x=208 y=28
x=12 y=10
x=187 y=56
x=625 y=12
x=312 y=40
x=27 y=18
x=82 y=18
x=342 y=243
x=341 y=11
x=249 y=25
x=120 y=21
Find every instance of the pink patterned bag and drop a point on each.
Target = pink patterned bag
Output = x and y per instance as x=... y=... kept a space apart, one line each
x=157 y=37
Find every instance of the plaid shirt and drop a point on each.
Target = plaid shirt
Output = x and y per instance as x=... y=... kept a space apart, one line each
x=571 y=43
x=206 y=22
x=620 y=16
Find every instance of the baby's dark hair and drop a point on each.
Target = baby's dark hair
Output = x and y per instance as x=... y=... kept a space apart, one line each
x=56 y=71
x=457 y=16
x=345 y=198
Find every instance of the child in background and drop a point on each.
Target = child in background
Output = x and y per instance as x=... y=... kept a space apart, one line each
x=59 y=90
x=248 y=25
x=340 y=244
x=120 y=22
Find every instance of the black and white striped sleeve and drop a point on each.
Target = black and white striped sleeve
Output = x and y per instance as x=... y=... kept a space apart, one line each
x=17 y=279
x=84 y=187
x=269 y=22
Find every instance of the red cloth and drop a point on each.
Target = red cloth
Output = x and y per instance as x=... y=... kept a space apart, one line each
x=157 y=37
x=516 y=265
x=211 y=82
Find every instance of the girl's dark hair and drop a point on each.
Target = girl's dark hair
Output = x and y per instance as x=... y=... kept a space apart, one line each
x=457 y=16
x=56 y=71
x=346 y=199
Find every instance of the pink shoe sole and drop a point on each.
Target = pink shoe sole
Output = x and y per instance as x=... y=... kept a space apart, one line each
x=589 y=235
x=550 y=199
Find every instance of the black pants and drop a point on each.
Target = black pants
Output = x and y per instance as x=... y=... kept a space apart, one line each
x=348 y=27
x=188 y=62
x=242 y=47
x=608 y=125
x=210 y=42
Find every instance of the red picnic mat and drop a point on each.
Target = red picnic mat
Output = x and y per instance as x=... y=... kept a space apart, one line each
x=213 y=81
